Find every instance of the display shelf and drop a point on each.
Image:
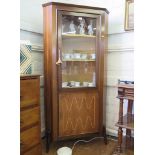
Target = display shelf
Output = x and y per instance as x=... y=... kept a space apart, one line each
x=65 y=36
x=128 y=122
x=80 y=87
x=86 y=60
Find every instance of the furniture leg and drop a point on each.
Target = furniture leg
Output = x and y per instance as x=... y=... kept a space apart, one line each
x=104 y=135
x=130 y=106
x=129 y=119
x=47 y=141
x=120 y=132
x=121 y=112
x=128 y=138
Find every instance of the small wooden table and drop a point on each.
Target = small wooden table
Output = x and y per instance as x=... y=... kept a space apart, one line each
x=125 y=91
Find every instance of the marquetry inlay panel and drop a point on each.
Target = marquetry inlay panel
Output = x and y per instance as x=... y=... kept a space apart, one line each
x=78 y=113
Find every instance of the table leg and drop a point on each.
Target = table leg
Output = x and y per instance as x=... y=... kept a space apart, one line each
x=120 y=132
x=129 y=119
x=128 y=138
x=121 y=112
x=130 y=106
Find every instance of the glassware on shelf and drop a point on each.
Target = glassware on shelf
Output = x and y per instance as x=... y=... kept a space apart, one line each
x=64 y=84
x=72 y=55
x=72 y=83
x=90 y=84
x=85 y=83
x=67 y=56
x=72 y=27
x=84 y=56
x=82 y=26
x=90 y=28
x=93 y=56
x=77 y=56
x=77 y=84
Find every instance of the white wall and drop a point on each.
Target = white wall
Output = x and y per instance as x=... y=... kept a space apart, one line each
x=120 y=47
x=120 y=66
x=31 y=14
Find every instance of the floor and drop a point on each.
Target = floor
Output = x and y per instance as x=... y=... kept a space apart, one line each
x=95 y=147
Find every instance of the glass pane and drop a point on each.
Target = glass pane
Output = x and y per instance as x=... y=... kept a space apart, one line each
x=78 y=52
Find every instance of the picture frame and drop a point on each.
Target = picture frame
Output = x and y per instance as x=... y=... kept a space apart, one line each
x=129 y=15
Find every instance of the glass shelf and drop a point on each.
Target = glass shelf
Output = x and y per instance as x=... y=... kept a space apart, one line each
x=80 y=87
x=77 y=36
x=80 y=60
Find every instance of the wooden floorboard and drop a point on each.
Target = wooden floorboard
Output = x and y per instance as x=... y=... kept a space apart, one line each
x=95 y=147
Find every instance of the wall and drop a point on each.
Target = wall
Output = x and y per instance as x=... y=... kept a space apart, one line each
x=120 y=66
x=120 y=48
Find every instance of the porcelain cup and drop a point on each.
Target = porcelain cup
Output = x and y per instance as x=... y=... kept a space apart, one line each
x=64 y=84
x=85 y=84
x=67 y=56
x=77 y=55
x=72 y=83
x=72 y=56
x=93 y=56
x=90 y=84
x=77 y=84
x=84 y=56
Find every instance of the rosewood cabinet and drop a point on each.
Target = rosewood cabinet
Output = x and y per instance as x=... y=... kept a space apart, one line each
x=75 y=43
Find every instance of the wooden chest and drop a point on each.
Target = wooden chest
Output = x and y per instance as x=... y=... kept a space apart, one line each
x=30 y=130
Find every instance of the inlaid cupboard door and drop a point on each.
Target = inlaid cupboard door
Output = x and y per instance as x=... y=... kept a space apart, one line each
x=78 y=113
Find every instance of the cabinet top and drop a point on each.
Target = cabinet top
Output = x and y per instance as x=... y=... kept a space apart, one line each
x=28 y=76
x=73 y=5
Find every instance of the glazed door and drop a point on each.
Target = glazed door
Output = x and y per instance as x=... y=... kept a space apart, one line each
x=78 y=68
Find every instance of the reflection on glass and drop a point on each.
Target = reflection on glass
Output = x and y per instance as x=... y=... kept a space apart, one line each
x=78 y=52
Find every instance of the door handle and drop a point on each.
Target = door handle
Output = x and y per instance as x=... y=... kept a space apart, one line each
x=59 y=59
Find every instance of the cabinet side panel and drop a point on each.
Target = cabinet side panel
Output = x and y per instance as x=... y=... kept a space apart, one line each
x=47 y=98
x=50 y=70
x=54 y=71
x=105 y=44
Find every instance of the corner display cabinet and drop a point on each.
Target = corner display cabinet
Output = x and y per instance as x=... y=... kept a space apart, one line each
x=75 y=43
